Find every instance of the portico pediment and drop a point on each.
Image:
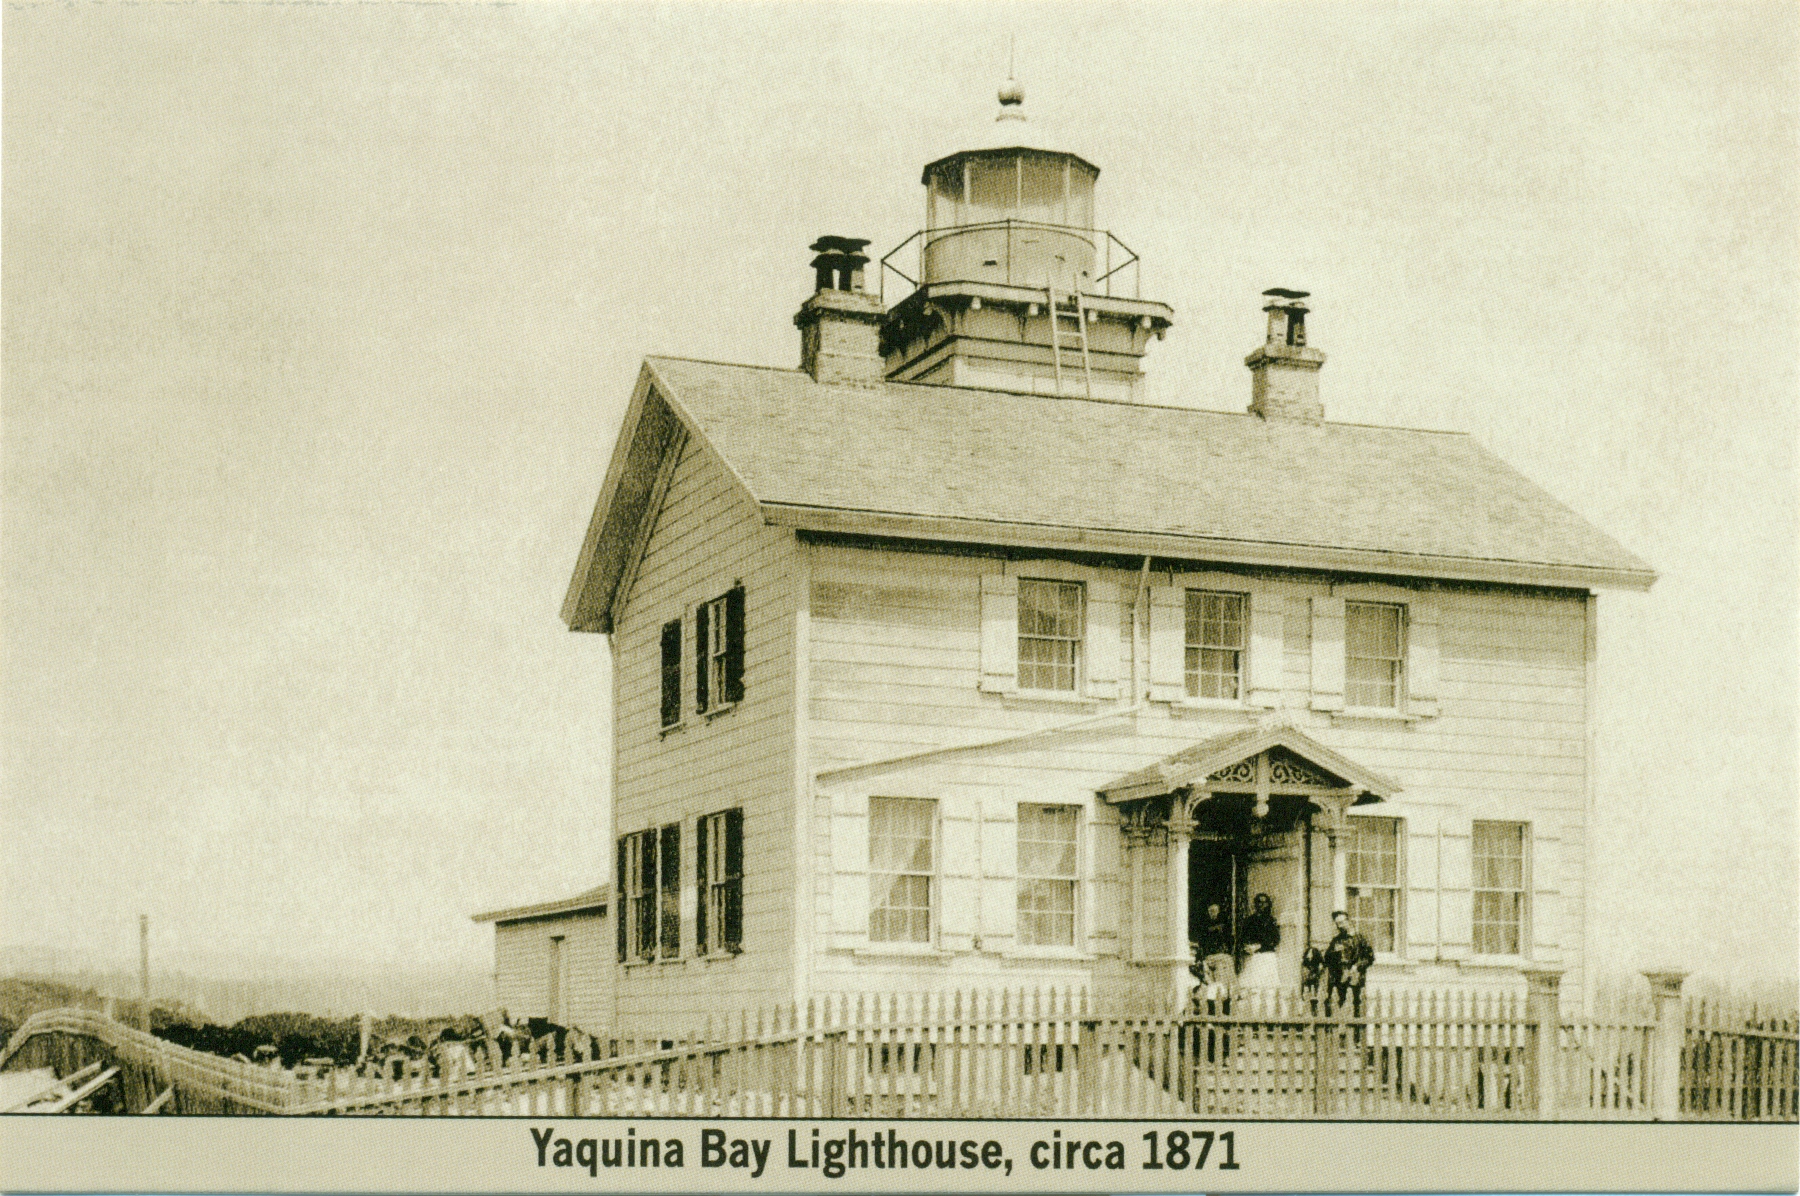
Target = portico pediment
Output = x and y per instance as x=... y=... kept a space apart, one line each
x=1278 y=758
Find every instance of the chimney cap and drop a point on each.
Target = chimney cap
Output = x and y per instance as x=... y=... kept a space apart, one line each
x=1284 y=293
x=838 y=245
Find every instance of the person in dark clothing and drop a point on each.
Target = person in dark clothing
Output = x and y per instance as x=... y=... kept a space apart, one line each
x=1260 y=928
x=1214 y=940
x=1347 y=960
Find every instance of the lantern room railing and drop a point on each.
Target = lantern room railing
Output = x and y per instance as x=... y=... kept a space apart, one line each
x=1111 y=257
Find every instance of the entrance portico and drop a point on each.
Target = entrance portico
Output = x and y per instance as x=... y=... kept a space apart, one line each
x=1236 y=815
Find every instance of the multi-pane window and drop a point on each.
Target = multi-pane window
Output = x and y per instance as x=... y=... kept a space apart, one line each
x=1498 y=855
x=1050 y=630
x=671 y=673
x=1215 y=644
x=902 y=858
x=649 y=880
x=1047 y=874
x=1373 y=880
x=720 y=850
x=1372 y=654
x=719 y=646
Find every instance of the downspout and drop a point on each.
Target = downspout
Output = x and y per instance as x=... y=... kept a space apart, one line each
x=1139 y=620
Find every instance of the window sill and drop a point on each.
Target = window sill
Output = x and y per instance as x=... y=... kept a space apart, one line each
x=1068 y=954
x=902 y=951
x=1055 y=697
x=669 y=730
x=715 y=711
x=1212 y=704
x=1497 y=962
x=722 y=955
x=1374 y=714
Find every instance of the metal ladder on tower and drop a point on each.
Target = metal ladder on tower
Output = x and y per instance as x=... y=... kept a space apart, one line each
x=1077 y=312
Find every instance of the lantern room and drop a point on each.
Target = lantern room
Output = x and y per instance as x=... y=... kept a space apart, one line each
x=1018 y=216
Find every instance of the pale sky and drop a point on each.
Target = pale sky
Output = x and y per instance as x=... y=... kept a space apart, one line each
x=320 y=320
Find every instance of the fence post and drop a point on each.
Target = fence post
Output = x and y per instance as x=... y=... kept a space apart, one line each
x=1543 y=1007
x=1666 y=1042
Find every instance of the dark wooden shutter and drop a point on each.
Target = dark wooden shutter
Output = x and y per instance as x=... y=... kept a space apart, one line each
x=619 y=903
x=668 y=898
x=702 y=665
x=646 y=896
x=732 y=933
x=702 y=886
x=734 y=644
x=671 y=673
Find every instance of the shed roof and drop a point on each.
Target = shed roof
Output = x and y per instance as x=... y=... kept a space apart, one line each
x=595 y=899
x=1002 y=467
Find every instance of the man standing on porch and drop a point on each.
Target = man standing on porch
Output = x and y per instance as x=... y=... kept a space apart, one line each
x=1347 y=960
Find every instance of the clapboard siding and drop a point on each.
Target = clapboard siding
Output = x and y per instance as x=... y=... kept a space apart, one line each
x=895 y=661
x=522 y=968
x=706 y=538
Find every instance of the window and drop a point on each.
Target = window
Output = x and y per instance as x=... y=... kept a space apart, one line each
x=1498 y=853
x=1050 y=624
x=719 y=644
x=1372 y=654
x=720 y=850
x=649 y=878
x=902 y=857
x=1047 y=875
x=671 y=673
x=1215 y=644
x=1373 y=881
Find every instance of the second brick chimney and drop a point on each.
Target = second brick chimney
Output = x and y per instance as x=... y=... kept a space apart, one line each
x=1284 y=372
x=840 y=326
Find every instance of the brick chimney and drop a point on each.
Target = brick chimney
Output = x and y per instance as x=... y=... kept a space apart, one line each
x=1284 y=372
x=840 y=326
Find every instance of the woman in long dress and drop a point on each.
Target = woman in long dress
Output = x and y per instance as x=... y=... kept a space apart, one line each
x=1260 y=935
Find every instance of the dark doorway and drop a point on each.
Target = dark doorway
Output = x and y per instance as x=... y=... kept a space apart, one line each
x=1212 y=880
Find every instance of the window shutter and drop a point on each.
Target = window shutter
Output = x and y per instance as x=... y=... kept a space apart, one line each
x=702 y=886
x=999 y=632
x=668 y=892
x=999 y=882
x=850 y=870
x=734 y=645
x=732 y=933
x=671 y=673
x=1540 y=938
x=1327 y=653
x=619 y=902
x=701 y=665
x=1263 y=676
x=1168 y=642
x=647 y=911
x=1101 y=649
x=1422 y=657
x=1418 y=915
x=957 y=880
x=1455 y=894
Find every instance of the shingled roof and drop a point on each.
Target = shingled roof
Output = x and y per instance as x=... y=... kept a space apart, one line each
x=999 y=467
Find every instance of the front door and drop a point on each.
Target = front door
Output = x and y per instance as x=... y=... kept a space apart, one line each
x=1213 y=879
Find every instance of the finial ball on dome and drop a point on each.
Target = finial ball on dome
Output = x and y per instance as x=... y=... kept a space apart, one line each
x=1011 y=93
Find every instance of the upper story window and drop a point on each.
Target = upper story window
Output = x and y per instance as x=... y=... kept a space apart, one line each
x=649 y=880
x=1050 y=634
x=719 y=645
x=671 y=673
x=1373 y=654
x=1214 y=663
x=1372 y=883
x=1501 y=894
x=1048 y=863
x=719 y=847
x=902 y=863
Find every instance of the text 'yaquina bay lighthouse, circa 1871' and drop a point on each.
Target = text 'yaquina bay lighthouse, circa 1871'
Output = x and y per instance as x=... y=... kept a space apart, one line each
x=946 y=662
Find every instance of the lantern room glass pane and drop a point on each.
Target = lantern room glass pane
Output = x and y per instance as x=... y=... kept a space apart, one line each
x=943 y=197
x=1041 y=179
x=993 y=188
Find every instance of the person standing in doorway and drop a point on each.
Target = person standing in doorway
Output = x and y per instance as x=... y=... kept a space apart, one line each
x=1261 y=935
x=1347 y=960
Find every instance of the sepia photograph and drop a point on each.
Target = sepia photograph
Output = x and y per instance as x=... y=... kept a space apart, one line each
x=929 y=596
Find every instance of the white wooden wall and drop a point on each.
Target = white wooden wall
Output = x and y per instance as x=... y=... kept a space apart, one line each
x=522 y=968
x=706 y=538
x=896 y=664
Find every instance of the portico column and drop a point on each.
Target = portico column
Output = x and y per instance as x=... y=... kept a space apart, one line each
x=1181 y=833
x=1340 y=870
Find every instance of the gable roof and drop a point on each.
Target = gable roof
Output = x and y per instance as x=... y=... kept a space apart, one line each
x=1197 y=761
x=1000 y=467
x=593 y=900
